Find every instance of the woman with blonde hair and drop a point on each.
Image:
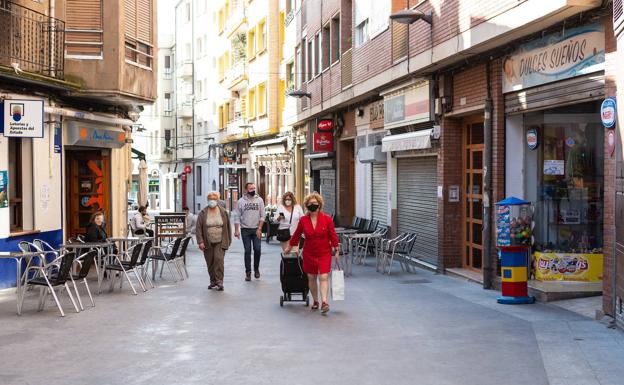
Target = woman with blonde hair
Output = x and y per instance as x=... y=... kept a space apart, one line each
x=320 y=239
x=214 y=237
x=287 y=215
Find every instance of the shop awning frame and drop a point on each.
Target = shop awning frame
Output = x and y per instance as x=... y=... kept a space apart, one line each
x=417 y=140
x=269 y=142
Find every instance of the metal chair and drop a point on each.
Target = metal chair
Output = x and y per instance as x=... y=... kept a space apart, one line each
x=143 y=263
x=166 y=257
x=402 y=252
x=387 y=247
x=84 y=262
x=52 y=276
x=126 y=266
x=181 y=256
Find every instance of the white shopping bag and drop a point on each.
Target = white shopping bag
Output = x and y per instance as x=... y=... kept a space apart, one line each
x=338 y=284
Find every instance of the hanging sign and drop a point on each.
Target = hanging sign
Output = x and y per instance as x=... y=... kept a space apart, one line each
x=57 y=139
x=4 y=189
x=531 y=138
x=558 y=56
x=610 y=142
x=325 y=125
x=608 y=113
x=187 y=169
x=22 y=118
x=323 y=142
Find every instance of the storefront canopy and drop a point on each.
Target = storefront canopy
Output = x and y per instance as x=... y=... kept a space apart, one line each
x=371 y=154
x=418 y=140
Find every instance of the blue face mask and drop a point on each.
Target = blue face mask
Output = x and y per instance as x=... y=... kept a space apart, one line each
x=212 y=203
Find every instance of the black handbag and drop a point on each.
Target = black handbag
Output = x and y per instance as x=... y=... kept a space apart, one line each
x=283 y=235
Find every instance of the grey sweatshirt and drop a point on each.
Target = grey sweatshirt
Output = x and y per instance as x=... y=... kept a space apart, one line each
x=249 y=212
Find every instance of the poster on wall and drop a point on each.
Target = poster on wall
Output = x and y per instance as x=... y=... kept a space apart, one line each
x=4 y=189
x=22 y=118
x=568 y=267
x=554 y=167
x=558 y=56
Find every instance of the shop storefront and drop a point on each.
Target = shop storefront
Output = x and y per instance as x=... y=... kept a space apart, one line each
x=413 y=166
x=273 y=165
x=555 y=150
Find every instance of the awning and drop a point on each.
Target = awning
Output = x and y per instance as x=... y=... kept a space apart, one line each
x=139 y=154
x=418 y=140
x=371 y=154
x=234 y=166
x=319 y=155
x=270 y=141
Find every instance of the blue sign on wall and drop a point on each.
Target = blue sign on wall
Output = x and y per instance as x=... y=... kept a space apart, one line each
x=608 y=112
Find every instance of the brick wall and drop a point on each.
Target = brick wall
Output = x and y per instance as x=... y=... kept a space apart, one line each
x=469 y=87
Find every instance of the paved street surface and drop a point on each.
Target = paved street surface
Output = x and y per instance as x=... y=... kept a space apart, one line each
x=404 y=329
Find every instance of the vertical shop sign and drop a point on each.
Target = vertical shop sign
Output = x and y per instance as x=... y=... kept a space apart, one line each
x=608 y=113
x=4 y=189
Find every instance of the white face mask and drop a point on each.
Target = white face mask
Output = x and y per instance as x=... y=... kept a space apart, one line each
x=288 y=202
x=212 y=203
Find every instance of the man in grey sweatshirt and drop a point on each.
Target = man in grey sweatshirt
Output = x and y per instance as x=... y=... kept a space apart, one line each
x=248 y=220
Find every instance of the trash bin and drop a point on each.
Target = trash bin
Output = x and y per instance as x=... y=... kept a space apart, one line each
x=514 y=225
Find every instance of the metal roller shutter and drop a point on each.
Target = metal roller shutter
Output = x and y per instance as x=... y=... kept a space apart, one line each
x=417 y=204
x=380 y=193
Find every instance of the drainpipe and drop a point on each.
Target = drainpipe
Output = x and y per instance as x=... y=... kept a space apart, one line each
x=487 y=184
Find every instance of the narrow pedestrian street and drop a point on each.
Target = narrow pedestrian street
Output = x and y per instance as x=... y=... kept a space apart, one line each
x=418 y=328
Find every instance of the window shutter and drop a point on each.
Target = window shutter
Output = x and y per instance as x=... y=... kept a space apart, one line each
x=84 y=27
x=144 y=21
x=130 y=16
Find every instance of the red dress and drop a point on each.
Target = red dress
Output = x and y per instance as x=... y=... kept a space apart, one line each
x=318 y=243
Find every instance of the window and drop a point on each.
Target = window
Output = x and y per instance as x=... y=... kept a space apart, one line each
x=198 y=180
x=335 y=39
x=138 y=30
x=251 y=103
x=199 y=90
x=167 y=64
x=221 y=122
x=281 y=37
x=20 y=186
x=318 y=55
x=168 y=104
x=290 y=73
x=361 y=33
x=251 y=43
x=83 y=29
x=299 y=68
x=310 y=63
x=326 y=48
x=262 y=105
x=262 y=36
x=188 y=12
x=200 y=46
x=221 y=13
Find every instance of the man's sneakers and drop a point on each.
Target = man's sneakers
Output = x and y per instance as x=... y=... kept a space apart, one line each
x=248 y=277
x=212 y=286
x=257 y=274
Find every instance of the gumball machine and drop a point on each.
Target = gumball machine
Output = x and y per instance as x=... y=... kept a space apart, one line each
x=514 y=234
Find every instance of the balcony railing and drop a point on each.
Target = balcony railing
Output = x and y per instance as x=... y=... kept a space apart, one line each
x=31 y=41
x=237 y=72
x=236 y=17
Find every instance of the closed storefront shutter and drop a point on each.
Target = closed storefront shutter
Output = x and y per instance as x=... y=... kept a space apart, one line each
x=417 y=204
x=83 y=28
x=380 y=193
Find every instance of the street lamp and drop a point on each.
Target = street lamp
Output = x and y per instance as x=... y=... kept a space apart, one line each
x=409 y=16
x=299 y=94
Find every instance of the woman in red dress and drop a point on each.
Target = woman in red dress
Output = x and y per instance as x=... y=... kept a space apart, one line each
x=320 y=237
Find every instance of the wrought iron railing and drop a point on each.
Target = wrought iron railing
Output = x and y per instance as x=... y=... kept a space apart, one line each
x=31 y=41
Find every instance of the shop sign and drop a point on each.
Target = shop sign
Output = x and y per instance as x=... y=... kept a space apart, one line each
x=94 y=135
x=22 y=118
x=377 y=114
x=568 y=267
x=607 y=112
x=531 y=138
x=407 y=106
x=557 y=56
x=325 y=125
x=610 y=142
x=323 y=142
x=4 y=189
x=229 y=153
x=57 y=139
x=554 y=167
x=188 y=169
x=232 y=180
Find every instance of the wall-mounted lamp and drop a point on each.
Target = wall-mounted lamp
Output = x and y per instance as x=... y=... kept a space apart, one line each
x=299 y=94
x=409 y=16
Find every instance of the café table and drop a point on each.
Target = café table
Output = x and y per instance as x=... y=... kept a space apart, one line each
x=103 y=249
x=19 y=257
x=352 y=240
x=343 y=233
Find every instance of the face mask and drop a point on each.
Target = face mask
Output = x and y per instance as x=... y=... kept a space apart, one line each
x=313 y=207
x=252 y=192
x=212 y=203
x=288 y=202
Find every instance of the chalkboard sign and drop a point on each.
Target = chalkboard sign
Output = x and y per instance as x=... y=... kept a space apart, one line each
x=169 y=225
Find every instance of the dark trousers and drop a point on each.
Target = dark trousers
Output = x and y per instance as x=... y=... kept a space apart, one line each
x=249 y=239
x=150 y=233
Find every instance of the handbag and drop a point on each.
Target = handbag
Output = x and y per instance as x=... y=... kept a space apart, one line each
x=283 y=235
x=337 y=283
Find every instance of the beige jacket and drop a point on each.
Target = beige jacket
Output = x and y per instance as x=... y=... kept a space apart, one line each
x=201 y=230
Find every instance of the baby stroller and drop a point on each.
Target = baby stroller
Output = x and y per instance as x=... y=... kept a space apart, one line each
x=293 y=279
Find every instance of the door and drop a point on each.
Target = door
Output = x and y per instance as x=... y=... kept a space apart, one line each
x=417 y=204
x=473 y=194
x=88 y=189
x=380 y=193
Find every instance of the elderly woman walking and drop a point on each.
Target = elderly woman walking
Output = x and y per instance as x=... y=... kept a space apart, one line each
x=320 y=239
x=214 y=237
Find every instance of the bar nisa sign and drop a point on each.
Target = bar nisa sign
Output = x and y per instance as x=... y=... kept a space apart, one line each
x=558 y=56
x=23 y=118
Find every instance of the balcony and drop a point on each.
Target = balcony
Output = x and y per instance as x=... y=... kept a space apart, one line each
x=185 y=110
x=185 y=70
x=31 y=41
x=236 y=74
x=235 y=126
x=236 y=18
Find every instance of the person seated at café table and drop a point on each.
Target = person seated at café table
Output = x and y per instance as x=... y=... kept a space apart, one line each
x=139 y=224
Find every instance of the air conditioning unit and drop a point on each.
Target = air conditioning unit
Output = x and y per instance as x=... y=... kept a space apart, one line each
x=618 y=17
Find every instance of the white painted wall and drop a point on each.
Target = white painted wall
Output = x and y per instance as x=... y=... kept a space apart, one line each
x=515 y=145
x=363 y=172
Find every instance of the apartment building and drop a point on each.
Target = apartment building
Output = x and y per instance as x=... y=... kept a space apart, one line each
x=74 y=76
